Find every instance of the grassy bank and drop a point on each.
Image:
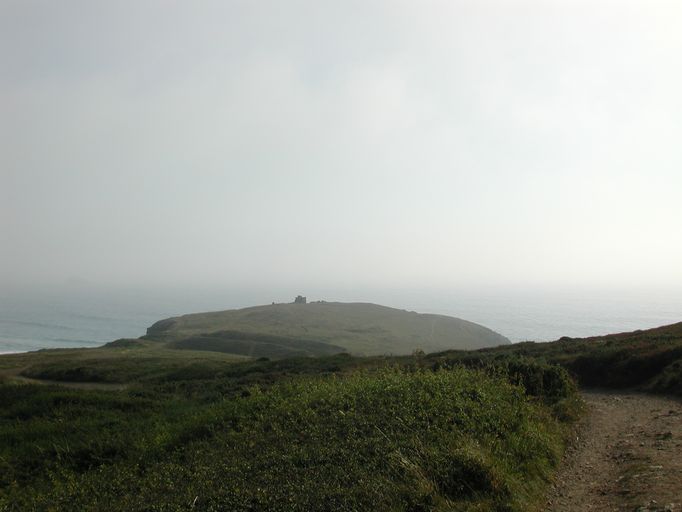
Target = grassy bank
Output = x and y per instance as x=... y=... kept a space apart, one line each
x=334 y=433
x=650 y=360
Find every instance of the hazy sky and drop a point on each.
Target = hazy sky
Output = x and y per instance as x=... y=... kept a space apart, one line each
x=383 y=143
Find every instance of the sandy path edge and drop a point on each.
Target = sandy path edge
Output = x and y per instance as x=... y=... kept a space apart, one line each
x=627 y=456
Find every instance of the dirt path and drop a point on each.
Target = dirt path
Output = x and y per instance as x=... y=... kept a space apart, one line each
x=14 y=375
x=628 y=457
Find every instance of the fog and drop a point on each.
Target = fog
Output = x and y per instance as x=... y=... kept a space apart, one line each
x=341 y=145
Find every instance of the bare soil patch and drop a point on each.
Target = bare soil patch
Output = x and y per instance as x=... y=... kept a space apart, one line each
x=627 y=456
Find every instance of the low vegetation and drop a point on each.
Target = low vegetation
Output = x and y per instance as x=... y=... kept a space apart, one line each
x=169 y=428
x=255 y=345
x=649 y=360
x=124 y=361
x=331 y=433
x=361 y=329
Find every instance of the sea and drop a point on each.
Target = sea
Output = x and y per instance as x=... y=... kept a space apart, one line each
x=89 y=317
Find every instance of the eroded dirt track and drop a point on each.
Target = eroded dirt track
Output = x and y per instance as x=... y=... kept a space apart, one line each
x=628 y=457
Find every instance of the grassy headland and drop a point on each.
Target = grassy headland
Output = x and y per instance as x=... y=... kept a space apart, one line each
x=361 y=329
x=171 y=428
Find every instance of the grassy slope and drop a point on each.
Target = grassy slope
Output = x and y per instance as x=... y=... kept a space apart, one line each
x=255 y=345
x=363 y=329
x=650 y=360
x=120 y=362
x=335 y=433
x=329 y=433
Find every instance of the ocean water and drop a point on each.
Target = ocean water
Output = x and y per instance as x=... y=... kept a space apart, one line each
x=88 y=318
x=66 y=321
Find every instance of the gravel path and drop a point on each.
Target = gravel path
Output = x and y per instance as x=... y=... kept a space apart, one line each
x=628 y=457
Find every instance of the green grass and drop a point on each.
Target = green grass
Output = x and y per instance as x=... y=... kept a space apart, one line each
x=332 y=433
x=394 y=438
x=457 y=430
x=650 y=360
x=123 y=362
x=362 y=329
x=255 y=345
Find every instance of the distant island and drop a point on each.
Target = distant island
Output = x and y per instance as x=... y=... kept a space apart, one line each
x=321 y=328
